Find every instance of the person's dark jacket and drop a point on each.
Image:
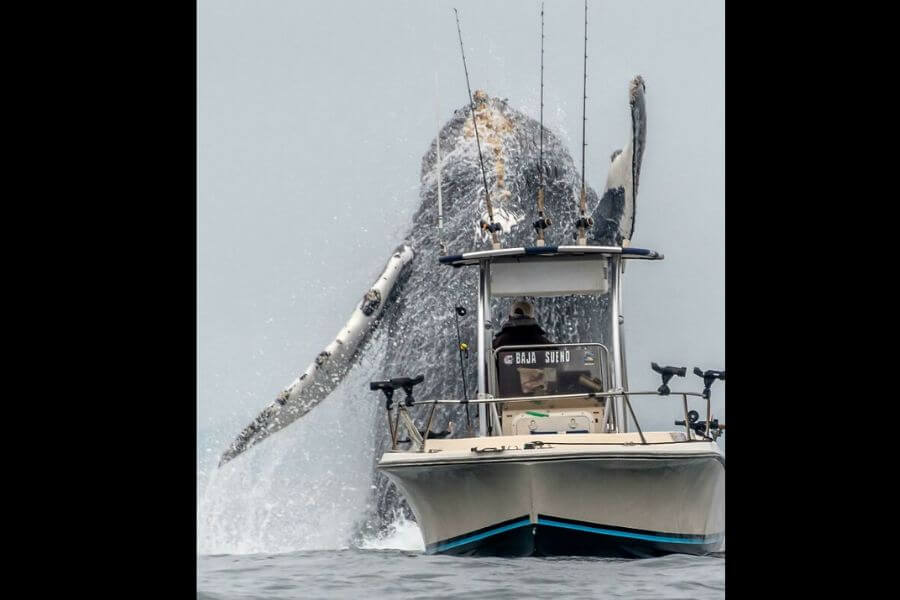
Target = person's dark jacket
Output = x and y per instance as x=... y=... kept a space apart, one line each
x=520 y=332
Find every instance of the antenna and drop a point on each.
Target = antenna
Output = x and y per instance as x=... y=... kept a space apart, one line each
x=583 y=222
x=542 y=223
x=492 y=227
x=437 y=111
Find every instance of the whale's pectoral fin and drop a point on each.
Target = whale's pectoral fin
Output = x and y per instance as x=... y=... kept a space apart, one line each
x=329 y=367
x=614 y=217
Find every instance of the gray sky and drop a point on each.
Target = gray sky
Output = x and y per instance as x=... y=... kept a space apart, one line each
x=312 y=119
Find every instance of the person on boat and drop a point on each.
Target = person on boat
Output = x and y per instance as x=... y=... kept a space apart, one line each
x=521 y=329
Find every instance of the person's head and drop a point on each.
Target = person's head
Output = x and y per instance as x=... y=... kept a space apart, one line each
x=521 y=310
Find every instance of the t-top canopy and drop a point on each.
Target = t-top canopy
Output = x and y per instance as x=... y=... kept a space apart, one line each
x=473 y=258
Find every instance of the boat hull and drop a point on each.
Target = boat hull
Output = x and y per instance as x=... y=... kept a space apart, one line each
x=564 y=537
x=617 y=501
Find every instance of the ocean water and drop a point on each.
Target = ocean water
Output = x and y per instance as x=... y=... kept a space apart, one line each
x=396 y=566
x=355 y=573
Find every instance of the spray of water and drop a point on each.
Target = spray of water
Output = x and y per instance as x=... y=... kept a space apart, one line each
x=401 y=534
x=304 y=489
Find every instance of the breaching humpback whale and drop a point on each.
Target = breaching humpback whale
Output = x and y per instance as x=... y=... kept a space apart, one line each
x=412 y=301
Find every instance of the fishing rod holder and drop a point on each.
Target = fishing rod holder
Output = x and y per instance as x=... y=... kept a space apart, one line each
x=667 y=374
x=709 y=377
x=389 y=386
x=416 y=438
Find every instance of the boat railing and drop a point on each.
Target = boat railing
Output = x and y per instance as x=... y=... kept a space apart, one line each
x=709 y=430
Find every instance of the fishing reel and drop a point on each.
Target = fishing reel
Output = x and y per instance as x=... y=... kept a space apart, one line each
x=715 y=428
x=462 y=346
x=584 y=223
x=490 y=227
x=542 y=223
x=388 y=387
x=667 y=374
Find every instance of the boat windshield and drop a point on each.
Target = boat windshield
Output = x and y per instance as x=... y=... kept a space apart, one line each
x=550 y=369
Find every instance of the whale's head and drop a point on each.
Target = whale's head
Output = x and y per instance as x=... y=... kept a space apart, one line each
x=510 y=147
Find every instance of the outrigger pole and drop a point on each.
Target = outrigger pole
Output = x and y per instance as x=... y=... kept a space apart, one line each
x=492 y=227
x=584 y=221
x=542 y=222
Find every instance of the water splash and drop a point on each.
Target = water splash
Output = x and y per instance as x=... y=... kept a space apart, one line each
x=304 y=489
x=401 y=534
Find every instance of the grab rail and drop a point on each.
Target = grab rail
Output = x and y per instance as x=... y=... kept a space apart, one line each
x=419 y=439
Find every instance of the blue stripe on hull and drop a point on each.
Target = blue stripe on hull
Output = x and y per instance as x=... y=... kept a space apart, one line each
x=442 y=547
x=637 y=536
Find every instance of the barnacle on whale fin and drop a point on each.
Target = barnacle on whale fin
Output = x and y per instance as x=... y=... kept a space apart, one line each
x=370 y=301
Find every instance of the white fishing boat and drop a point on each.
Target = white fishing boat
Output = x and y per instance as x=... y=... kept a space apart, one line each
x=554 y=468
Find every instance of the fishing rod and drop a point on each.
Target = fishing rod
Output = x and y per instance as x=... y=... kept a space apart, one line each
x=492 y=227
x=542 y=222
x=463 y=348
x=584 y=221
x=437 y=110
